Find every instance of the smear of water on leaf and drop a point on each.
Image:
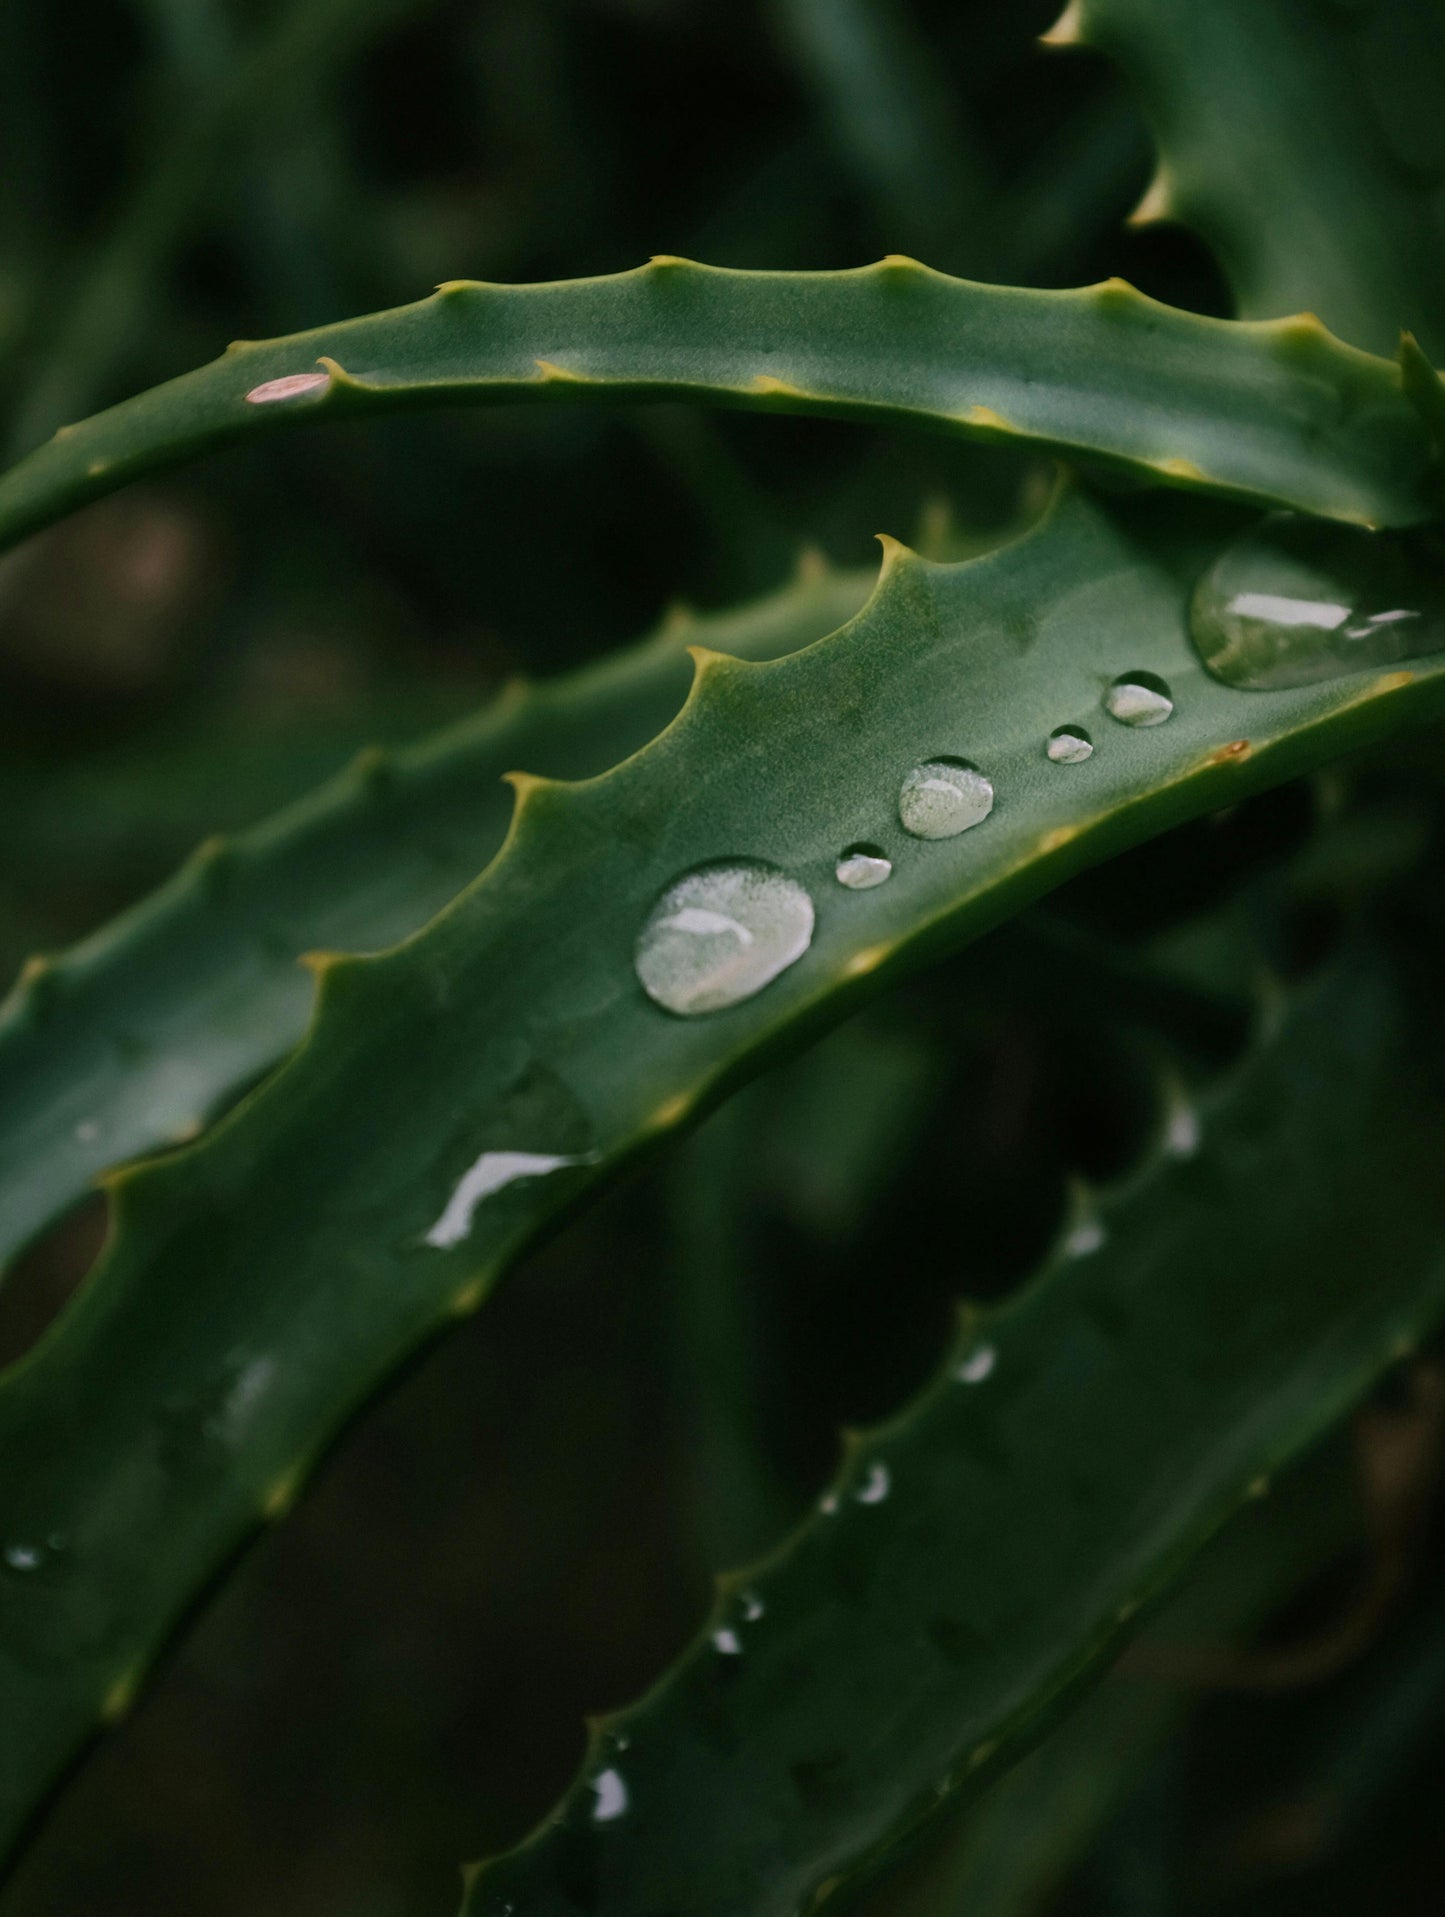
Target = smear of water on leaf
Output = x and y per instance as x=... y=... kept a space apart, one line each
x=1139 y=699
x=491 y=1173
x=1295 y=601
x=942 y=797
x=720 y=933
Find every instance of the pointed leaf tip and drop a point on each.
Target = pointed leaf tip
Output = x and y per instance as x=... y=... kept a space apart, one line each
x=1068 y=29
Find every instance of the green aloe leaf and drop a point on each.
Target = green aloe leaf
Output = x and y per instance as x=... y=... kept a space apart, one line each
x=1277 y=413
x=261 y=1282
x=978 y=1556
x=137 y=1036
x=1303 y=141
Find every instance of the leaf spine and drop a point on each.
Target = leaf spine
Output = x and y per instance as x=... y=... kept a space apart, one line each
x=1157 y=203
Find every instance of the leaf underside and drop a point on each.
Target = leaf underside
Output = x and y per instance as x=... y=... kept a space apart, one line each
x=261 y=1282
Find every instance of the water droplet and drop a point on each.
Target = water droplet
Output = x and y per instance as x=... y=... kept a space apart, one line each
x=728 y=1642
x=1069 y=745
x=828 y=1503
x=753 y=1607
x=720 y=933
x=876 y=1486
x=24 y=1557
x=87 y=1131
x=491 y=1173
x=977 y=1366
x=293 y=386
x=1182 y=1131
x=1296 y=601
x=1139 y=699
x=611 y=1797
x=863 y=866
x=942 y=797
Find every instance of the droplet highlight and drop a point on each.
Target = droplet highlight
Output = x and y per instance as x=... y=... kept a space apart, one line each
x=491 y=1173
x=942 y=797
x=1296 y=601
x=977 y=1366
x=292 y=386
x=1139 y=699
x=1069 y=745
x=720 y=933
x=861 y=867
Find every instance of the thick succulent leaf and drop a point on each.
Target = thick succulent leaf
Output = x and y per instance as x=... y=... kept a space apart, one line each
x=133 y=1039
x=260 y=1282
x=1303 y=141
x=980 y=1554
x=1278 y=413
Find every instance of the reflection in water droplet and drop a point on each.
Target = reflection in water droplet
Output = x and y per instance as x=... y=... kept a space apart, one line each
x=876 y=1486
x=1296 y=601
x=491 y=1173
x=611 y=1797
x=720 y=933
x=293 y=386
x=943 y=797
x=728 y=1642
x=977 y=1366
x=1069 y=745
x=1139 y=699
x=863 y=866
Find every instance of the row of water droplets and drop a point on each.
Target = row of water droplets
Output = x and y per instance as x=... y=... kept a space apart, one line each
x=723 y=930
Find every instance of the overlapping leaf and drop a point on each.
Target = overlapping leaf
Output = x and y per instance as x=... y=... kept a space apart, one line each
x=261 y=1282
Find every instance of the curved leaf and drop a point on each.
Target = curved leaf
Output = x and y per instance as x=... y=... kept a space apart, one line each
x=1303 y=142
x=982 y=1554
x=1277 y=413
x=134 y=1038
x=261 y=1282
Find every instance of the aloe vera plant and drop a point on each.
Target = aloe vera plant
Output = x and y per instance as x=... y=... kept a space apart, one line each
x=351 y=1064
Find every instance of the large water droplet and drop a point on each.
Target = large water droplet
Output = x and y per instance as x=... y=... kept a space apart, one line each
x=942 y=797
x=720 y=933
x=1295 y=601
x=1139 y=699
x=1069 y=745
x=611 y=1796
x=863 y=866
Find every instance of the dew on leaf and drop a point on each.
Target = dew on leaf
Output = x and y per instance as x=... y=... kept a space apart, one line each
x=876 y=1486
x=1296 y=601
x=611 y=1797
x=860 y=867
x=24 y=1557
x=1139 y=699
x=977 y=1366
x=491 y=1173
x=292 y=386
x=942 y=797
x=1069 y=745
x=720 y=933
x=753 y=1607
x=728 y=1643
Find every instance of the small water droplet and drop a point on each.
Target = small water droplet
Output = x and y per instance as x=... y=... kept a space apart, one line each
x=728 y=1643
x=1139 y=699
x=876 y=1486
x=720 y=933
x=87 y=1131
x=611 y=1797
x=293 y=386
x=753 y=1607
x=828 y=1503
x=977 y=1366
x=491 y=1173
x=1296 y=601
x=942 y=797
x=1182 y=1131
x=863 y=866
x=1069 y=745
x=24 y=1557
x=1084 y=1237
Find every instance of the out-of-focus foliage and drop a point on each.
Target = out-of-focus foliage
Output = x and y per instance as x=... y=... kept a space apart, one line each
x=527 y=1530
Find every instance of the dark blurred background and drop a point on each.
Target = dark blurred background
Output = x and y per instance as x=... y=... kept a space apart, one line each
x=526 y=1529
